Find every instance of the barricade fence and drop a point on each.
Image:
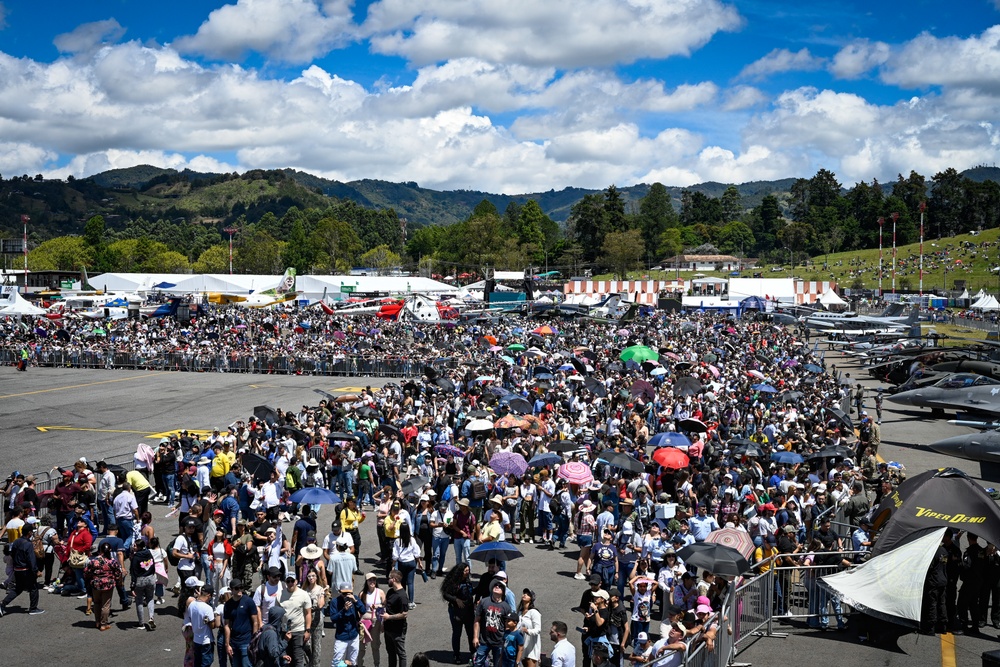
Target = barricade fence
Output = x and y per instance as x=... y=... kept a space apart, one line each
x=197 y=362
x=787 y=592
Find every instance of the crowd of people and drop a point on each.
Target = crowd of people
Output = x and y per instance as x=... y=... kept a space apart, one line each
x=508 y=434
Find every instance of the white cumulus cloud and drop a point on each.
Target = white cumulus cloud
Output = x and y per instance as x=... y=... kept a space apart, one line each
x=563 y=33
x=294 y=31
x=782 y=60
x=859 y=57
x=89 y=36
x=947 y=61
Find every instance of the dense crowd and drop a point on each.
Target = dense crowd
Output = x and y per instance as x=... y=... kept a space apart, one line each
x=508 y=434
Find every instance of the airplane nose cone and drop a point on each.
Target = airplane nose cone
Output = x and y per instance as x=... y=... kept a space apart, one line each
x=957 y=446
x=902 y=398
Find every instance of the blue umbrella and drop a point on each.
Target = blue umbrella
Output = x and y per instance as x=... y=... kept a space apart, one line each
x=315 y=495
x=787 y=458
x=488 y=551
x=669 y=439
x=542 y=460
x=813 y=368
x=766 y=388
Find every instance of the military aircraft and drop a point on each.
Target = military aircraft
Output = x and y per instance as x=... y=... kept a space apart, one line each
x=891 y=319
x=965 y=392
x=282 y=293
x=981 y=447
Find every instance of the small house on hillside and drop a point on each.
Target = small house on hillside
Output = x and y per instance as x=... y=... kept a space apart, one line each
x=702 y=263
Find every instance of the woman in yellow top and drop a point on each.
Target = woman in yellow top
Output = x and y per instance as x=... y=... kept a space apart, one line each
x=351 y=518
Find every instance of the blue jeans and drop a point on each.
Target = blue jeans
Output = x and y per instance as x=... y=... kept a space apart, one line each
x=439 y=550
x=126 y=530
x=487 y=655
x=544 y=522
x=203 y=654
x=241 y=657
x=461 y=550
x=107 y=513
x=562 y=528
x=169 y=480
x=407 y=569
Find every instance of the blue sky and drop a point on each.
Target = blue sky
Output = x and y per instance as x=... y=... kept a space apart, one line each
x=512 y=97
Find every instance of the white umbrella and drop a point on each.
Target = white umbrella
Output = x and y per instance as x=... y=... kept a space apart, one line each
x=479 y=425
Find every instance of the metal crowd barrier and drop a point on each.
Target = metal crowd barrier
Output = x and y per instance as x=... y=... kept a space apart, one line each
x=47 y=480
x=197 y=362
x=753 y=606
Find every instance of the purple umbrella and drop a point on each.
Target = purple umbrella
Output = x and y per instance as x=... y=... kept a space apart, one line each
x=449 y=450
x=339 y=335
x=508 y=463
x=790 y=363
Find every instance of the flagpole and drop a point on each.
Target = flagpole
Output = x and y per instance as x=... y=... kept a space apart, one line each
x=881 y=221
x=24 y=220
x=894 y=216
x=923 y=206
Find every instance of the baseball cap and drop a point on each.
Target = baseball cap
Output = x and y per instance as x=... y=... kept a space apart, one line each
x=703 y=609
x=595 y=580
x=602 y=594
x=193 y=582
x=642 y=638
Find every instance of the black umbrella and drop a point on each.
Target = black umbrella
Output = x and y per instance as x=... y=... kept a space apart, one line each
x=834 y=452
x=578 y=365
x=595 y=386
x=479 y=414
x=615 y=366
x=842 y=418
x=388 y=430
x=623 y=461
x=267 y=414
x=763 y=359
x=545 y=377
x=749 y=449
x=340 y=435
x=411 y=387
x=589 y=354
x=682 y=365
x=61 y=334
x=445 y=384
x=563 y=446
x=790 y=396
x=327 y=396
x=519 y=406
x=715 y=558
x=368 y=411
x=256 y=465
x=299 y=436
x=687 y=386
x=430 y=372
x=414 y=484
x=692 y=425
x=541 y=369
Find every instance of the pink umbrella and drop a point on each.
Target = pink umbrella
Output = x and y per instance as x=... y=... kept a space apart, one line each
x=339 y=335
x=734 y=539
x=671 y=355
x=495 y=348
x=713 y=370
x=576 y=472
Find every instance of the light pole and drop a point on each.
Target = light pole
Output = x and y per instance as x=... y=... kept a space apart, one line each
x=881 y=221
x=894 y=216
x=230 y=231
x=923 y=207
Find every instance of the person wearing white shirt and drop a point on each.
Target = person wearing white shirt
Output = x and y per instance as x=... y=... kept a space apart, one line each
x=563 y=653
x=200 y=615
x=406 y=558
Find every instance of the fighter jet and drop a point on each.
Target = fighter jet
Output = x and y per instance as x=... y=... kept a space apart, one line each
x=964 y=392
x=982 y=447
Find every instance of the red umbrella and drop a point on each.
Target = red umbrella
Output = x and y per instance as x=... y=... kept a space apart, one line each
x=733 y=538
x=671 y=457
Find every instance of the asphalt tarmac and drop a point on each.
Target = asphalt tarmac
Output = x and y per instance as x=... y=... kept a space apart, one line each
x=106 y=413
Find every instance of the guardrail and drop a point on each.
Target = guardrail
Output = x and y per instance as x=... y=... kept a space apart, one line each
x=196 y=362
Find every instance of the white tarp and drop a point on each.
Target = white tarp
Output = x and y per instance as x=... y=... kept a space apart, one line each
x=965 y=295
x=891 y=585
x=312 y=287
x=17 y=305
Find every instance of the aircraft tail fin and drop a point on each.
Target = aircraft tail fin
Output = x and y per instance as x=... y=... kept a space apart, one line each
x=913 y=317
x=85 y=281
x=630 y=314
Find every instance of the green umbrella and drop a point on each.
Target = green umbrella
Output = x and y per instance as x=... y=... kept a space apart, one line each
x=516 y=347
x=639 y=354
x=100 y=332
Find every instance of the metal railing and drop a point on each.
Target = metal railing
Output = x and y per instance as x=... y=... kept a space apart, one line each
x=198 y=362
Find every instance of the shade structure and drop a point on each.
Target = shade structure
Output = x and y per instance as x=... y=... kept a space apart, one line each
x=449 y=450
x=813 y=368
x=508 y=463
x=488 y=551
x=516 y=347
x=948 y=498
x=594 y=386
x=889 y=585
x=389 y=431
x=545 y=330
x=672 y=458
x=764 y=388
x=734 y=539
x=716 y=558
x=479 y=425
x=639 y=354
x=623 y=461
x=576 y=472
x=546 y=459
x=315 y=495
x=670 y=439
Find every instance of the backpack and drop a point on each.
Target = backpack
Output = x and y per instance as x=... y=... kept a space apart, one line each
x=171 y=558
x=555 y=505
x=477 y=489
x=38 y=542
x=446 y=496
x=253 y=649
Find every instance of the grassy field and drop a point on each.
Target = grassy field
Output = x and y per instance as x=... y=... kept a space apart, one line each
x=945 y=261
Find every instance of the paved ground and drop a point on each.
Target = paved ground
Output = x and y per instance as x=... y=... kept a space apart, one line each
x=113 y=410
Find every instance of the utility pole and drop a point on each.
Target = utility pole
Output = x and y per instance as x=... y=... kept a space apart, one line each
x=230 y=231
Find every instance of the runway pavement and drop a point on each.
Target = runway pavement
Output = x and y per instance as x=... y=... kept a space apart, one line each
x=110 y=411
